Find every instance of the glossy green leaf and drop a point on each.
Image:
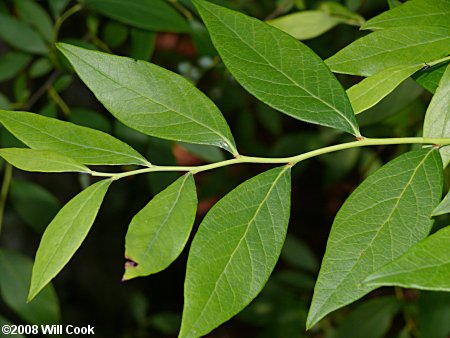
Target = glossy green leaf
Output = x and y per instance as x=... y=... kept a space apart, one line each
x=87 y=146
x=159 y=232
x=373 y=89
x=389 y=48
x=15 y=272
x=306 y=24
x=235 y=251
x=64 y=235
x=21 y=36
x=12 y=63
x=278 y=69
x=33 y=14
x=41 y=160
x=425 y=266
x=155 y=15
x=378 y=223
x=371 y=319
x=142 y=44
x=151 y=99
x=437 y=118
x=443 y=207
x=35 y=205
x=413 y=13
x=430 y=78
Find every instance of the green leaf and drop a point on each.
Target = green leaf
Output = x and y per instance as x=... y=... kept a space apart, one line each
x=373 y=89
x=235 y=251
x=277 y=69
x=155 y=15
x=159 y=232
x=4 y=102
x=443 y=207
x=57 y=6
x=413 y=13
x=40 y=67
x=33 y=204
x=385 y=216
x=115 y=34
x=391 y=47
x=15 y=270
x=12 y=63
x=371 y=319
x=151 y=99
x=21 y=36
x=87 y=146
x=437 y=118
x=425 y=266
x=64 y=235
x=305 y=25
x=401 y=98
x=41 y=160
x=430 y=78
x=342 y=12
x=33 y=14
x=142 y=44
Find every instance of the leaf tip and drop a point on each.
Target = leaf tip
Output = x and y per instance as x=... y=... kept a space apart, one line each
x=130 y=267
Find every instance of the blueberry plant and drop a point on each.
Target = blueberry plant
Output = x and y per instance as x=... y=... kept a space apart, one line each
x=380 y=235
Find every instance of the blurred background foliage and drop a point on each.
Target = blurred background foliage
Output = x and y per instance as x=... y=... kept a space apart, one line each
x=34 y=77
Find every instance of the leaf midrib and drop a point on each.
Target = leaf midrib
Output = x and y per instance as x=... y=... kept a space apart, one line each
x=295 y=83
x=380 y=228
x=163 y=223
x=227 y=141
x=239 y=244
x=86 y=201
x=82 y=146
x=446 y=37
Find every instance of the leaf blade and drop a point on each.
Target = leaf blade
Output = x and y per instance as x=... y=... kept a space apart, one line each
x=233 y=231
x=393 y=222
x=437 y=118
x=65 y=234
x=306 y=24
x=21 y=36
x=418 y=12
x=15 y=270
x=389 y=48
x=304 y=90
x=88 y=146
x=41 y=160
x=189 y=117
x=425 y=266
x=443 y=207
x=154 y=15
x=158 y=233
x=373 y=89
